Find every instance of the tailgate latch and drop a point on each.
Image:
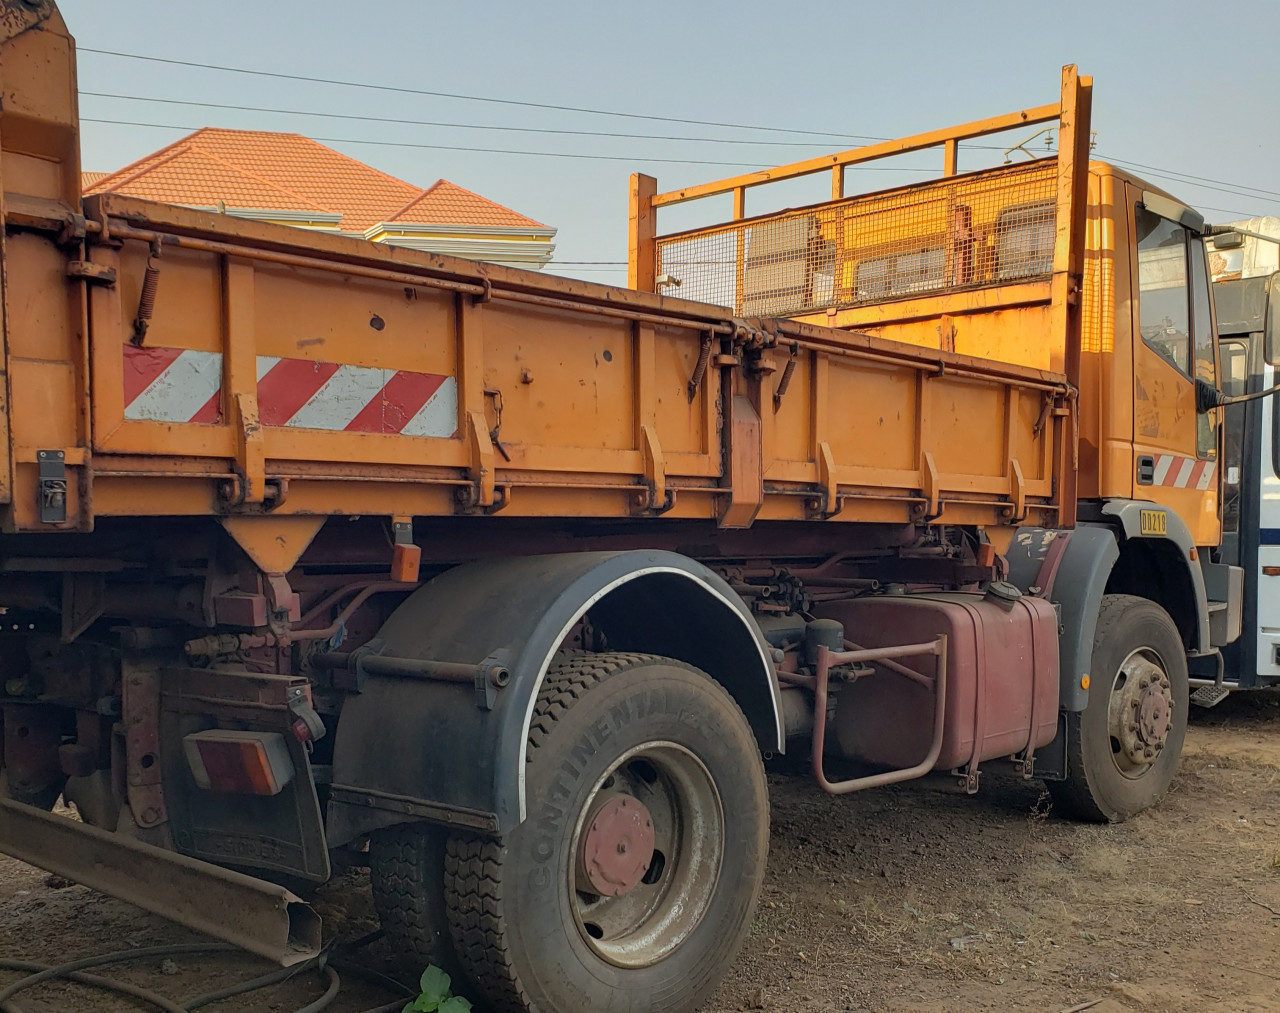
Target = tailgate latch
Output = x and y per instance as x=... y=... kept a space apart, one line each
x=53 y=486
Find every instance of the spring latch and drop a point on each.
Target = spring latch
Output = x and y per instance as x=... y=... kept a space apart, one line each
x=147 y=299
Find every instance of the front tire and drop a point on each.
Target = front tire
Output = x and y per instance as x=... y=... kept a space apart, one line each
x=1123 y=750
x=632 y=882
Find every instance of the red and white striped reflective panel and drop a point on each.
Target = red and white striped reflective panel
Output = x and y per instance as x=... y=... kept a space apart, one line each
x=182 y=385
x=1183 y=472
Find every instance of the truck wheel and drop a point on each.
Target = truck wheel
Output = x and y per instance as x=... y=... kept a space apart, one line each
x=632 y=881
x=406 y=876
x=1123 y=750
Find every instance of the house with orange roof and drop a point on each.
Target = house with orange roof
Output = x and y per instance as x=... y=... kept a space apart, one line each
x=293 y=180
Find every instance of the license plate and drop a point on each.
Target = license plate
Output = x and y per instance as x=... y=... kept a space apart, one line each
x=1154 y=522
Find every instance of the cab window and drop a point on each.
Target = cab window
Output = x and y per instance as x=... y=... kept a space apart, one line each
x=1202 y=348
x=1163 y=304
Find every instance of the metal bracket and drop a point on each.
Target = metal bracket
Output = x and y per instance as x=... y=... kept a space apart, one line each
x=140 y=706
x=84 y=597
x=1024 y=764
x=53 y=486
x=87 y=270
x=351 y=670
x=657 y=499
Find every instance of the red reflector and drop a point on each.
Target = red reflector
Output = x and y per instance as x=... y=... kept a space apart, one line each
x=247 y=763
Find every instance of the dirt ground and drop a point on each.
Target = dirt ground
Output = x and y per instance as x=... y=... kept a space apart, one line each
x=903 y=900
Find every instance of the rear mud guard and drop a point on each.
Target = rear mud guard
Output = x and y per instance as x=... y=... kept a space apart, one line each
x=412 y=749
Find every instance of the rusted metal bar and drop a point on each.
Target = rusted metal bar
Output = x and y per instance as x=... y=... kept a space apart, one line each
x=798 y=679
x=425 y=280
x=939 y=366
x=895 y=666
x=698 y=323
x=255 y=915
x=336 y=626
x=410 y=668
x=826 y=659
x=120 y=231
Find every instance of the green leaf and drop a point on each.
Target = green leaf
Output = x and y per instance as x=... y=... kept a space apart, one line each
x=435 y=986
x=422 y=1005
x=455 y=1004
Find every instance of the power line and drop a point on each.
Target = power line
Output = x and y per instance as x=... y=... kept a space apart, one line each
x=1208 y=183
x=449 y=147
x=471 y=98
x=1176 y=177
x=1201 y=179
x=498 y=151
x=438 y=123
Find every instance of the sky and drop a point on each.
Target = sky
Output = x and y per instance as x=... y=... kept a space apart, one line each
x=1184 y=87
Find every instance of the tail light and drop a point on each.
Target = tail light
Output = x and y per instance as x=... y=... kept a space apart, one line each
x=246 y=763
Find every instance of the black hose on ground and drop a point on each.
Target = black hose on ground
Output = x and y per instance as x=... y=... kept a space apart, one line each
x=92 y=980
x=118 y=957
x=75 y=971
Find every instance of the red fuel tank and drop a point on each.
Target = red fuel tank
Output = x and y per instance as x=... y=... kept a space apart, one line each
x=1002 y=678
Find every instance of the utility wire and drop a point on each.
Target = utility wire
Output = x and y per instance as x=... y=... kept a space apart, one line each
x=471 y=98
x=499 y=151
x=1199 y=179
x=1176 y=177
x=440 y=123
x=450 y=147
x=643 y=159
x=1204 y=182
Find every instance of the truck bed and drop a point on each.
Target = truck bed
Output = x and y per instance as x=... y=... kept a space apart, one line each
x=287 y=373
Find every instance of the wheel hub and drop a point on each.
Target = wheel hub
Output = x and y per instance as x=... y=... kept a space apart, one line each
x=1142 y=711
x=616 y=849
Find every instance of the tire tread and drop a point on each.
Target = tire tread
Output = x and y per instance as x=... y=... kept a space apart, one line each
x=473 y=865
x=1074 y=795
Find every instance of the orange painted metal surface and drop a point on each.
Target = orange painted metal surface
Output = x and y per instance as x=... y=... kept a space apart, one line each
x=1033 y=263
x=284 y=376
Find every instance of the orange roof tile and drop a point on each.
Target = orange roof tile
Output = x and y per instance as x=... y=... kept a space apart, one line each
x=261 y=169
x=445 y=203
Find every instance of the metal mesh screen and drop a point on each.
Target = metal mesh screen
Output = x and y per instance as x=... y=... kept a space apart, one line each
x=960 y=232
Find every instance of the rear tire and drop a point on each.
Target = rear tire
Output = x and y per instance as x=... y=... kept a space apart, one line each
x=406 y=877
x=1123 y=750
x=620 y=733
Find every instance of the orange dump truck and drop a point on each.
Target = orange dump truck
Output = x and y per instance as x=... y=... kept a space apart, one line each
x=316 y=549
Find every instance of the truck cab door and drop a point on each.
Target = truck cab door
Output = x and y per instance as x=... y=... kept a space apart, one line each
x=1175 y=448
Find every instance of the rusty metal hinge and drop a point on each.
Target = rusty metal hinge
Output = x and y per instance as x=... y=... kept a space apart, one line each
x=87 y=270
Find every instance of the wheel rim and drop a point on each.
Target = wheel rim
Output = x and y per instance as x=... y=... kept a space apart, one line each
x=1139 y=712
x=637 y=892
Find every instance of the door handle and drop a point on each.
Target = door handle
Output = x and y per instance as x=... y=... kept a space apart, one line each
x=1146 y=469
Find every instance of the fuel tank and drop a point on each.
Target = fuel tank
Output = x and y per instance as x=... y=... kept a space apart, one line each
x=1002 y=678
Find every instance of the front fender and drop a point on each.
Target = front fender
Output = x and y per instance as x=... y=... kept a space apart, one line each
x=409 y=749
